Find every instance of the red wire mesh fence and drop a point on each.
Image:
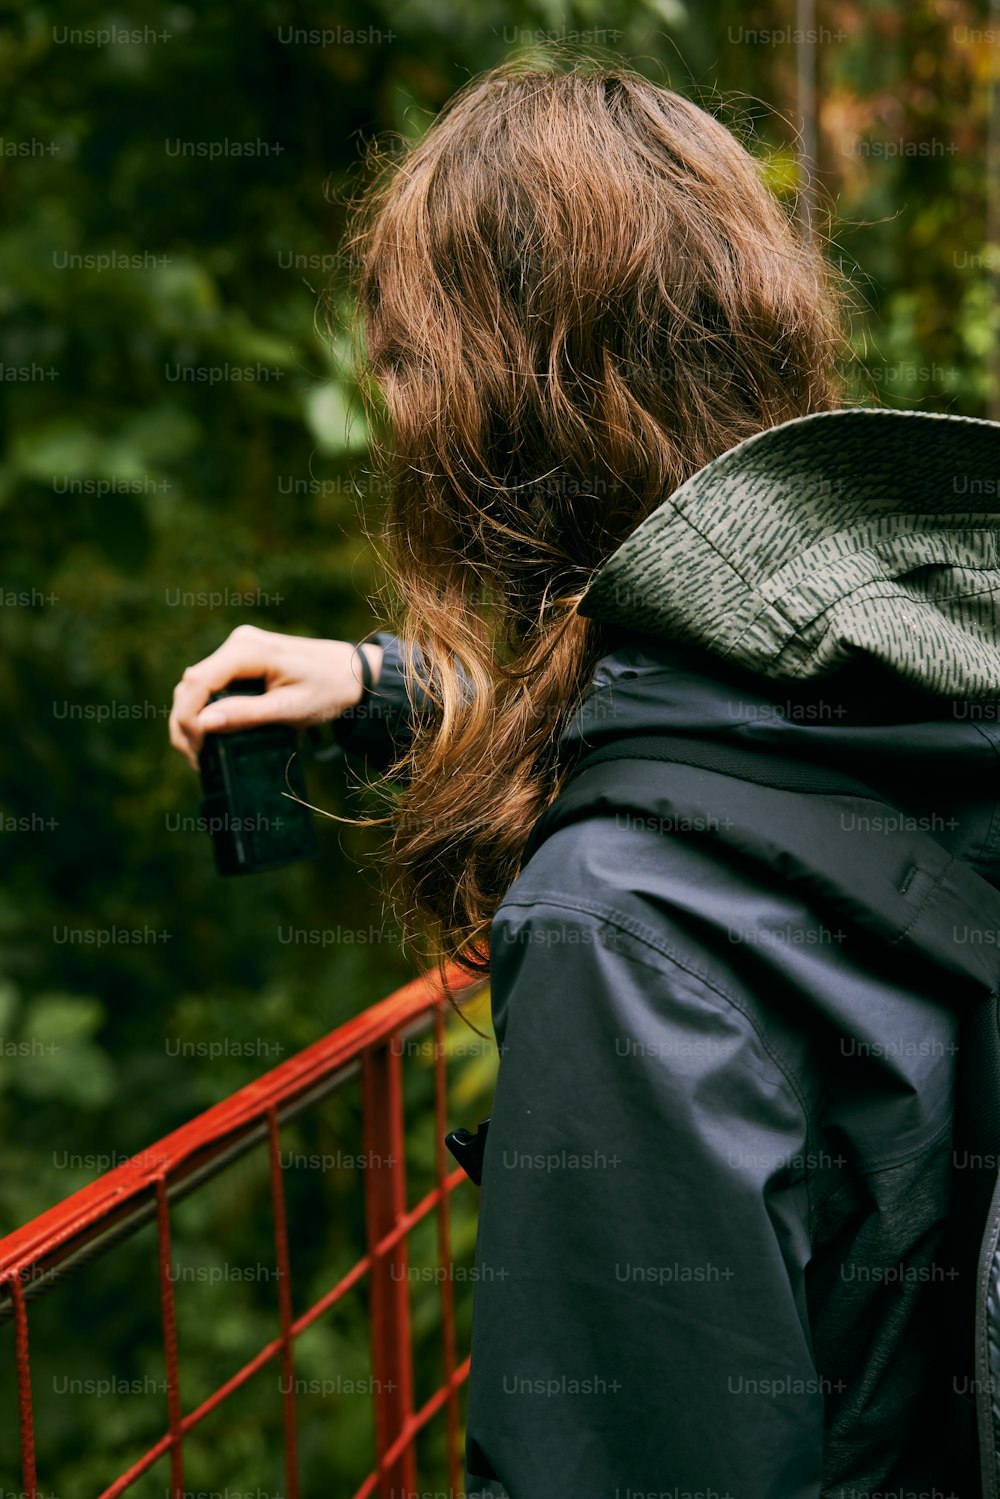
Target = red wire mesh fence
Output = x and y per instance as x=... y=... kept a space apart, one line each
x=142 y=1189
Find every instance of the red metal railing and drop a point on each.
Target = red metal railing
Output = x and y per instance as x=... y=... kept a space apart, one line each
x=142 y=1188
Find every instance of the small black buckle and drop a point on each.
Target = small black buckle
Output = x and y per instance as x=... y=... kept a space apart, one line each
x=467 y=1148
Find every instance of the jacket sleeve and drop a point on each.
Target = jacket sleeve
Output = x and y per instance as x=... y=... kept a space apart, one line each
x=639 y=1312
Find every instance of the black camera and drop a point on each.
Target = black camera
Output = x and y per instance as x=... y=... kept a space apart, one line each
x=243 y=775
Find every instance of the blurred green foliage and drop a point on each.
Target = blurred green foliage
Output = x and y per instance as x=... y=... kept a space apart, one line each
x=172 y=203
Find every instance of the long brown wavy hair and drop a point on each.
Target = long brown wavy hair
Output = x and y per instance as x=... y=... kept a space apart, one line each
x=575 y=290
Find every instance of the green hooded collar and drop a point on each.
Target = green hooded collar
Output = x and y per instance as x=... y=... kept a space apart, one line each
x=862 y=531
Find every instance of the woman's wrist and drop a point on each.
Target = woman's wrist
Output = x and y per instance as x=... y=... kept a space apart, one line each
x=366 y=668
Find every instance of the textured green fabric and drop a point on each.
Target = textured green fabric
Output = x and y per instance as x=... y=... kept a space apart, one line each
x=863 y=530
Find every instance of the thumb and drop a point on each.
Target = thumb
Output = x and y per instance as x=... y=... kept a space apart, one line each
x=244 y=710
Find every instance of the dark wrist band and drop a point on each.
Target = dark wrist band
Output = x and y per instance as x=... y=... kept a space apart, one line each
x=367 y=680
x=344 y=725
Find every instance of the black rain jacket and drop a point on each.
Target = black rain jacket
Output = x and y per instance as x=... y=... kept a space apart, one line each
x=712 y=1251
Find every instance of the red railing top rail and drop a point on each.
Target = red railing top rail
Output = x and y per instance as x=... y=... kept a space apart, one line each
x=66 y=1223
x=143 y=1186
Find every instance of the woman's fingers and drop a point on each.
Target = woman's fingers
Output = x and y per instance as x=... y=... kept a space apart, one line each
x=247 y=652
x=245 y=710
x=307 y=681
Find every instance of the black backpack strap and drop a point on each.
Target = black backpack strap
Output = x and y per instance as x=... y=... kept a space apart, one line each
x=744 y=761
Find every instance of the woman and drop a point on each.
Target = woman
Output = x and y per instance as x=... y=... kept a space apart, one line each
x=717 y=1177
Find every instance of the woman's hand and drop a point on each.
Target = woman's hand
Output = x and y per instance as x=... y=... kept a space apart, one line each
x=307 y=682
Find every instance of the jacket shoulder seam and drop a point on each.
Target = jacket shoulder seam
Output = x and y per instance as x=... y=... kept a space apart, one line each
x=637 y=929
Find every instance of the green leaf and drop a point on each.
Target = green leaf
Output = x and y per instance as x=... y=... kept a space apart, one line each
x=336 y=426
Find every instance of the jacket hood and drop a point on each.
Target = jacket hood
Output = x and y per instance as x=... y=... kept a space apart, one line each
x=862 y=532
x=829 y=589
